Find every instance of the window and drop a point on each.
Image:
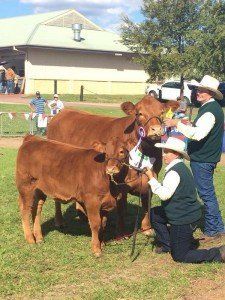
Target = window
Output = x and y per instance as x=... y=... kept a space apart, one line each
x=172 y=85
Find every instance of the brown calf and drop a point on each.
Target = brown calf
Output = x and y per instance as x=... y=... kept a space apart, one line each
x=63 y=172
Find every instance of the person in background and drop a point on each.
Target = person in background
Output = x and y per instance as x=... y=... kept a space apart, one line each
x=37 y=106
x=2 y=79
x=55 y=105
x=10 y=76
x=180 y=208
x=204 y=147
x=180 y=113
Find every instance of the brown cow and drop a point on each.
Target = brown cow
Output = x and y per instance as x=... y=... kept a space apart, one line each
x=63 y=172
x=81 y=129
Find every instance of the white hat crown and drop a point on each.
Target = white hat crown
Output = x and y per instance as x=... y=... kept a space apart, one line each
x=209 y=83
x=175 y=145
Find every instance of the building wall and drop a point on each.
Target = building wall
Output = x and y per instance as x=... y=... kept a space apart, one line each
x=98 y=73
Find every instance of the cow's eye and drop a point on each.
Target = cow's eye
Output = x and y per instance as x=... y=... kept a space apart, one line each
x=121 y=152
x=140 y=114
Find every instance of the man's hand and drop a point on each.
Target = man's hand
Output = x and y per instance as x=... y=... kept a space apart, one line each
x=171 y=122
x=149 y=172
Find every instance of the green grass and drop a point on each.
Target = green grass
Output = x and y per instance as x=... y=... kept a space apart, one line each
x=64 y=268
x=94 y=98
x=19 y=126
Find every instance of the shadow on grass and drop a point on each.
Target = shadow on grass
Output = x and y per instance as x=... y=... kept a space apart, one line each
x=76 y=227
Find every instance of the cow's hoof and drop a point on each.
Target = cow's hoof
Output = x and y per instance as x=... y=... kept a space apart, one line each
x=40 y=241
x=31 y=241
x=98 y=254
x=148 y=232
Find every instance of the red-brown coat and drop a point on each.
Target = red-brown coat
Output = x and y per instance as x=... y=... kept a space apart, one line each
x=61 y=171
x=82 y=129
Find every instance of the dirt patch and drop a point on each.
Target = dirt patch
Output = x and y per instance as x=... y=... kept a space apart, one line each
x=15 y=142
x=207 y=289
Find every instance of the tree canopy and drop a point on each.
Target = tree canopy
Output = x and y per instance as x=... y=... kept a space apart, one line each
x=179 y=37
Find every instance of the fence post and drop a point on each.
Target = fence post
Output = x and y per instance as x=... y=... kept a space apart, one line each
x=81 y=93
x=55 y=86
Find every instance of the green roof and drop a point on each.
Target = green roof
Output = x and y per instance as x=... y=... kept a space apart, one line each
x=34 y=30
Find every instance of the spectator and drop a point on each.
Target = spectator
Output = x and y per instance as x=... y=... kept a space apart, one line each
x=180 y=113
x=2 y=79
x=180 y=208
x=37 y=106
x=205 y=149
x=10 y=76
x=55 y=105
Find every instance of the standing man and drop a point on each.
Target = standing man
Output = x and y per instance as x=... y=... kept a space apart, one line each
x=204 y=147
x=180 y=208
x=37 y=106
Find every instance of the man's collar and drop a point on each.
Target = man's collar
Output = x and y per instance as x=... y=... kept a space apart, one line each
x=173 y=163
x=210 y=100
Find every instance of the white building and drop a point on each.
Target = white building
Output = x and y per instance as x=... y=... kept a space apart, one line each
x=43 y=49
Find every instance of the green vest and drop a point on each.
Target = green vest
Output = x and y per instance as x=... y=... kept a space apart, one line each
x=183 y=207
x=208 y=149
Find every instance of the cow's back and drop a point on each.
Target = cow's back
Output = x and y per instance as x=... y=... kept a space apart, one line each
x=82 y=129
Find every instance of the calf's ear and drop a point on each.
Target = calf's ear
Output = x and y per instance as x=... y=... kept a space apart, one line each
x=99 y=147
x=128 y=108
x=172 y=104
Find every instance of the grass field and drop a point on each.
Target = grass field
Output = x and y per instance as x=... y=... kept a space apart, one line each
x=94 y=98
x=64 y=268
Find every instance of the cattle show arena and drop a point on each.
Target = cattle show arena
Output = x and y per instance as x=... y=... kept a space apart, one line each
x=65 y=258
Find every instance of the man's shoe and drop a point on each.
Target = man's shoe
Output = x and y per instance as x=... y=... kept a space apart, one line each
x=222 y=253
x=160 y=250
x=206 y=238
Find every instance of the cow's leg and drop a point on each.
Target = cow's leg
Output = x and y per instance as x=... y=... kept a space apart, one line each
x=36 y=215
x=81 y=213
x=145 y=224
x=93 y=212
x=104 y=216
x=59 y=221
x=25 y=204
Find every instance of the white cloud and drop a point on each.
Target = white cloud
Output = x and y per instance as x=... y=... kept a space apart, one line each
x=106 y=13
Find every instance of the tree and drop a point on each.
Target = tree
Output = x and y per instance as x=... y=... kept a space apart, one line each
x=164 y=36
x=209 y=52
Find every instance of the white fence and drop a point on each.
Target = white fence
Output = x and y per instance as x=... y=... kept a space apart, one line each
x=17 y=123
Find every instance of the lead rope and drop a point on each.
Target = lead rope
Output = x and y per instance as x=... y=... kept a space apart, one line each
x=136 y=223
x=141 y=132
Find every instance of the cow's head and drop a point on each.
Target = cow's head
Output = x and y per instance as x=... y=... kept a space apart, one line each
x=116 y=153
x=149 y=113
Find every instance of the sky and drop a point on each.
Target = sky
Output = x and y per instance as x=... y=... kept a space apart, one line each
x=105 y=13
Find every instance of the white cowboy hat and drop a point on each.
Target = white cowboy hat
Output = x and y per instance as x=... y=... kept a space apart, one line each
x=175 y=145
x=209 y=83
x=56 y=96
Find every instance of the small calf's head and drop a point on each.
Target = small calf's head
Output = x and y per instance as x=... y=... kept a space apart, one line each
x=116 y=153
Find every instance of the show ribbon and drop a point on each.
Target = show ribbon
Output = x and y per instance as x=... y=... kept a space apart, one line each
x=141 y=134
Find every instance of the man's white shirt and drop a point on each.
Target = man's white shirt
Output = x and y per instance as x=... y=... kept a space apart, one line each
x=202 y=127
x=170 y=182
x=58 y=106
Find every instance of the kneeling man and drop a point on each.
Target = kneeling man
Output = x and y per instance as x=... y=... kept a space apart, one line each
x=180 y=208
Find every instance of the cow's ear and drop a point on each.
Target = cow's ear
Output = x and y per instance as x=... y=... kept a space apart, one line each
x=173 y=105
x=99 y=147
x=128 y=108
x=130 y=144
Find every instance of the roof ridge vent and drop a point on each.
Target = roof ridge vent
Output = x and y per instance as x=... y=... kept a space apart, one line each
x=76 y=27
